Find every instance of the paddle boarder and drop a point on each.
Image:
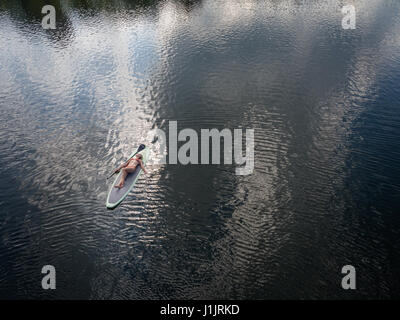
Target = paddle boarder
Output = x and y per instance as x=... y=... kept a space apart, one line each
x=129 y=167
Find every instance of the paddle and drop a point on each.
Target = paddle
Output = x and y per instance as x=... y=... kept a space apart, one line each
x=141 y=147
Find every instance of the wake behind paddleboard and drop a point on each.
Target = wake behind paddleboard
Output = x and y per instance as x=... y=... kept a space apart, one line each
x=116 y=195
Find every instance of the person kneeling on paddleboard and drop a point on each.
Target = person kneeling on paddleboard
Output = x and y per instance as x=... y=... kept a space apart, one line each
x=129 y=167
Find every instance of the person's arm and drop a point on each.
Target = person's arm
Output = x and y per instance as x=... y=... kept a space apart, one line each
x=141 y=165
x=122 y=166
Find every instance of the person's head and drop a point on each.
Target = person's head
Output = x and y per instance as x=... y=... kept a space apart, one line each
x=139 y=156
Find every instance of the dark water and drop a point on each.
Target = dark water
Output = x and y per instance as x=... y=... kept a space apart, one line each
x=324 y=103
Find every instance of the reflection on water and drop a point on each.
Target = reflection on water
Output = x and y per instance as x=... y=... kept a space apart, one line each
x=323 y=102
